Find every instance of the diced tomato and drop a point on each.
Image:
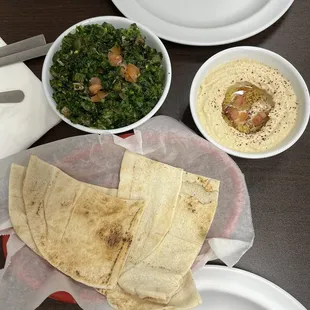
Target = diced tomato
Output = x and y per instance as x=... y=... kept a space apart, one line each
x=232 y=113
x=93 y=89
x=132 y=73
x=94 y=80
x=102 y=94
x=116 y=50
x=259 y=119
x=239 y=101
x=114 y=56
x=95 y=98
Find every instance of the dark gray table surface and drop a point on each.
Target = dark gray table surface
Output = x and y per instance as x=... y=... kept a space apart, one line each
x=278 y=186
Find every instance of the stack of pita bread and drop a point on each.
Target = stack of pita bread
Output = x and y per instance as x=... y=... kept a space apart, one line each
x=135 y=244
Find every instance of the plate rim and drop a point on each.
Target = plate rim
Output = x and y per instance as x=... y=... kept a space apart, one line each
x=249 y=274
x=122 y=6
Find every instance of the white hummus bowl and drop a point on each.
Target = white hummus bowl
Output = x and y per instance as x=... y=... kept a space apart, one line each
x=118 y=22
x=270 y=59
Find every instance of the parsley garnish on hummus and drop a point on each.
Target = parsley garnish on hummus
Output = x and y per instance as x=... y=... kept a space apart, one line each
x=105 y=77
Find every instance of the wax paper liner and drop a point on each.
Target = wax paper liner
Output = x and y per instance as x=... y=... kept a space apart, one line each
x=27 y=279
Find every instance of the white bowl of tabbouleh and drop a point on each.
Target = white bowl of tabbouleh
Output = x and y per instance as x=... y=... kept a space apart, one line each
x=250 y=102
x=106 y=74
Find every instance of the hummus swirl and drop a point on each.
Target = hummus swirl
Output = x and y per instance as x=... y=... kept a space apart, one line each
x=282 y=117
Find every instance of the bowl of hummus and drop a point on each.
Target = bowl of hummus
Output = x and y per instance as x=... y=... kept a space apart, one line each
x=250 y=102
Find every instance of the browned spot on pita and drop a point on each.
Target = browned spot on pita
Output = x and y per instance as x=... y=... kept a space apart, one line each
x=115 y=236
x=206 y=184
x=191 y=203
x=128 y=239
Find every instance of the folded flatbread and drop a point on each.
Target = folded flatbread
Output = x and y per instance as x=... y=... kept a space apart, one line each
x=186 y=298
x=159 y=275
x=17 y=210
x=81 y=231
x=158 y=185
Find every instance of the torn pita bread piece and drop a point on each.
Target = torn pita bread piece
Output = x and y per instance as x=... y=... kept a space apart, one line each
x=158 y=185
x=159 y=275
x=186 y=298
x=17 y=210
x=84 y=233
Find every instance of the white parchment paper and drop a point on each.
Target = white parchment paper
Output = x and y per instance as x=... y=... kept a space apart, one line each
x=27 y=279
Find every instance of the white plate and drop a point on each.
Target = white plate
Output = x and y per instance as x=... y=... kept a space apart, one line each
x=223 y=288
x=204 y=22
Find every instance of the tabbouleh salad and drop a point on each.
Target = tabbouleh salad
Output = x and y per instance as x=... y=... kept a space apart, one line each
x=105 y=77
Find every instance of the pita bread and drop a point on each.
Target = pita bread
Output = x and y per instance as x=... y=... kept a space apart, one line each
x=186 y=298
x=17 y=210
x=160 y=275
x=158 y=185
x=61 y=209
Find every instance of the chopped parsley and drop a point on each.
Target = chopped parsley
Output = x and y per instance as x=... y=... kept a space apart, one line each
x=105 y=77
